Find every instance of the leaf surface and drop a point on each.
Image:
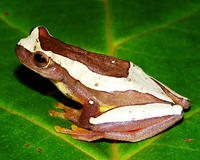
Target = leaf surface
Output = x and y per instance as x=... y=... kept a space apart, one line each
x=161 y=37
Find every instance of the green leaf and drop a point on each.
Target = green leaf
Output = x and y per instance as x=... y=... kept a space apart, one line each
x=162 y=37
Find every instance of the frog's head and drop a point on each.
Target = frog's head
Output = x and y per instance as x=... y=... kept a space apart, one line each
x=38 y=59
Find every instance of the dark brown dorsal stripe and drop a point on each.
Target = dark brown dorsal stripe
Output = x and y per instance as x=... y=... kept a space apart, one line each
x=101 y=64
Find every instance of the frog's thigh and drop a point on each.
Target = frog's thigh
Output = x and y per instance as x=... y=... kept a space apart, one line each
x=144 y=133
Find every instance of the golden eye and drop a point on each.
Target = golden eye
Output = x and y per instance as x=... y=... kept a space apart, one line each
x=41 y=60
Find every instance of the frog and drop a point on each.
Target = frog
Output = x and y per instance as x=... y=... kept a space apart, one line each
x=119 y=100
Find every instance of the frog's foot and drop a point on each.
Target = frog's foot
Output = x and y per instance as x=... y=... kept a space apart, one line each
x=89 y=135
x=70 y=113
x=80 y=133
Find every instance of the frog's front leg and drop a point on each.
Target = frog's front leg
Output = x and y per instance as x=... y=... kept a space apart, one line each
x=70 y=113
x=79 y=117
x=74 y=116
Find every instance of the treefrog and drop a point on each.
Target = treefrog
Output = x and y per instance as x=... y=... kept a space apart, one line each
x=119 y=101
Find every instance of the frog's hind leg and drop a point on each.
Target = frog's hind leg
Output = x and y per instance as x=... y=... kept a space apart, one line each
x=130 y=135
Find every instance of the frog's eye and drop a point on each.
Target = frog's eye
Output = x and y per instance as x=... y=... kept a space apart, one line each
x=41 y=60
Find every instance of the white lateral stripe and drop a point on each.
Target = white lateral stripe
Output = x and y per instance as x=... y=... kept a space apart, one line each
x=136 y=80
x=173 y=92
x=137 y=112
x=31 y=41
